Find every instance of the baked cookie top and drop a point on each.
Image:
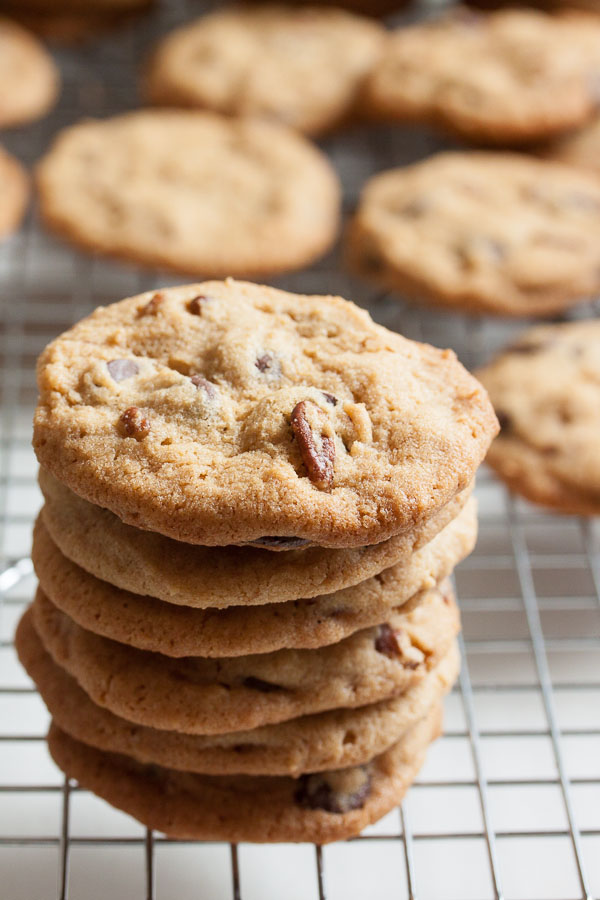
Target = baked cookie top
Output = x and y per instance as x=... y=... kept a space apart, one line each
x=485 y=232
x=300 y=66
x=191 y=191
x=509 y=76
x=580 y=149
x=14 y=191
x=28 y=77
x=327 y=740
x=196 y=695
x=546 y=390
x=224 y=412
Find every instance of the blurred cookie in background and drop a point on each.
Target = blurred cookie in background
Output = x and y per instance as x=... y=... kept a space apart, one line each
x=507 y=77
x=29 y=79
x=373 y=8
x=301 y=66
x=14 y=191
x=500 y=233
x=546 y=392
x=191 y=191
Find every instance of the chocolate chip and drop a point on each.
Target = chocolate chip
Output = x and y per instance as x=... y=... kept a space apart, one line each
x=135 y=424
x=120 y=369
x=194 y=306
x=386 y=642
x=282 y=543
x=330 y=398
x=324 y=791
x=265 y=687
x=316 y=449
x=153 y=305
x=200 y=382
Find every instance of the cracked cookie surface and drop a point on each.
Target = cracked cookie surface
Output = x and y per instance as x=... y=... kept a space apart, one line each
x=302 y=67
x=546 y=390
x=485 y=232
x=511 y=76
x=174 y=410
x=197 y=695
x=191 y=191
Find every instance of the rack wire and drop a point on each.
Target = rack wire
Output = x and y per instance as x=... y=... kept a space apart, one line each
x=508 y=803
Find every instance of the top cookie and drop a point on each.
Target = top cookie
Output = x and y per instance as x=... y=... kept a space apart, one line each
x=484 y=232
x=302 y=66
x=192 y=191
x=219 y=413
x=546 y=390
x=28 y=77
x=511 y=76
x=14 y=191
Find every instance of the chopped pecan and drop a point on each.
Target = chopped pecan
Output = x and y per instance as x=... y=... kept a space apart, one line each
x=135 y=424
x=316 y=448
x=153 y=305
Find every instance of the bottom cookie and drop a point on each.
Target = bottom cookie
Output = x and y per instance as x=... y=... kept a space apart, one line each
x=318 y=808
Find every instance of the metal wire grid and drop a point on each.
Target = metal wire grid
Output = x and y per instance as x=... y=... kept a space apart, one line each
x=507 y=805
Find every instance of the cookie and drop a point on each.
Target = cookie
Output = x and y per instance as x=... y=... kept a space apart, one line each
x=512 y=76
x=546 y=390
x=579 y=148
x=299 y=66
x=146 y=563
x=28 y=76
x=482 y=232
x=328 y=740
x=177 y=631
x=191 y=191
x=14 y=190
x=319 y=807
x=196 y=695
x=225 y=412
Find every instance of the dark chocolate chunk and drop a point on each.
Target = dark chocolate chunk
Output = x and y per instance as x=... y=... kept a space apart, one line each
x=200 y=382
x=317 y=791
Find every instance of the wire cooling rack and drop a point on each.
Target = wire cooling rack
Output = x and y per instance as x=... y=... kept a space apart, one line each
x=508 y=803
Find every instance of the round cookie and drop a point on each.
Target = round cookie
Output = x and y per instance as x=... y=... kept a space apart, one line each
x=580 y=148
x=177 y=631
x=213 y=696
x=511 y=76
x=222 y=412
x=299 y=66
x=546 y=390
x=29 y=79
x=319 y=807
x=146 y=563
x=191 y=191
x=329 y=740
x=14 y=190
x=504 y=234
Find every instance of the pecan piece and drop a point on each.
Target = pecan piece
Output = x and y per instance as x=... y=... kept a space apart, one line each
x=135 y=424
x=316 y=449
x=153 y=305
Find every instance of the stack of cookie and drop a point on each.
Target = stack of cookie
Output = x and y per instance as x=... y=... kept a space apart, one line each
x=243 y=629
